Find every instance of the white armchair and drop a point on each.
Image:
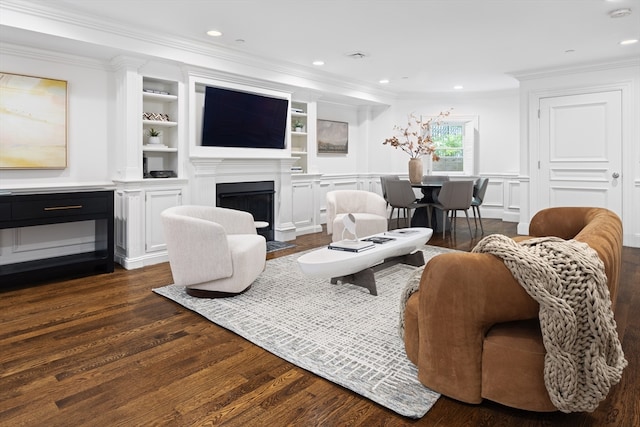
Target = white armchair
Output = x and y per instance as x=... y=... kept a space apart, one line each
x=214 y=252
x=369 y=210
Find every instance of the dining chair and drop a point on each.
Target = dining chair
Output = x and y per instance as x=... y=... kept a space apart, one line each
x=426 y=179
x=383 y=184
x=454 y=196
x=479 y=190
x=400 y=195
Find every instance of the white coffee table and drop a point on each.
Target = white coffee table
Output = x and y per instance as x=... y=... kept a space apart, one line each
x=358 y=267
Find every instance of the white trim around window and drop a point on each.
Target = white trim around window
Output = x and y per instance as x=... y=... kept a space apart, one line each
x=471 y=137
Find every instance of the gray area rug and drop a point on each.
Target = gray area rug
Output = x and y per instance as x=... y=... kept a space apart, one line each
x=339 y=332
x=274 y=245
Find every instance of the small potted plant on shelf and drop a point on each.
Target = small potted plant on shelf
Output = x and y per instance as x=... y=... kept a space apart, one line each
x=154 y=136
x=298 y=126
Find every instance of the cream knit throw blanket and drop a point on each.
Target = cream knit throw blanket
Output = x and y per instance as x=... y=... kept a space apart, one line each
x=584 y=357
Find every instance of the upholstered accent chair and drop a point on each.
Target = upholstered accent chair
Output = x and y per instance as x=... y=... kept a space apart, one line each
x=474 y=332
x=214 y=252
x=368 y=208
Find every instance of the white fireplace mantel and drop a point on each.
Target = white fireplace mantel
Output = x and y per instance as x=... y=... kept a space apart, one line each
x=206 y=172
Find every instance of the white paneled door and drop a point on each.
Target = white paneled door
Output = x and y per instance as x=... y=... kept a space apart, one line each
x=581 y=151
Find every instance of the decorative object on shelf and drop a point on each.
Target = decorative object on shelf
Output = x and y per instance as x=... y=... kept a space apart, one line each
x=39 y=105
x=157 y=92
x=154 y=136
x=333 y=137
x=163 y=174
x=298 y=126
x=415 y=140
x=159 y=117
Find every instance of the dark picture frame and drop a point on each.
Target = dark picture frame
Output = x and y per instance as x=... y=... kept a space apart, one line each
x=33 y=122
x=333 y=137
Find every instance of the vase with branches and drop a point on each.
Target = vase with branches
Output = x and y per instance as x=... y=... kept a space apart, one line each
x=415 y=140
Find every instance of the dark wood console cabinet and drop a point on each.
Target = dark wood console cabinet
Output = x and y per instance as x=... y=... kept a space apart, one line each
x=24 y=209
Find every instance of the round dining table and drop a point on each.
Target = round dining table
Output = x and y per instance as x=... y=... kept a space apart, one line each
x=420 y=216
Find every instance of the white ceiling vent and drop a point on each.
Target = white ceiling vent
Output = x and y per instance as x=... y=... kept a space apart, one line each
x=357 y=55
x=619 y=13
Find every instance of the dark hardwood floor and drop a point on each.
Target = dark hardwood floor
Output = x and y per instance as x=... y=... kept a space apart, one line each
x=106 y=351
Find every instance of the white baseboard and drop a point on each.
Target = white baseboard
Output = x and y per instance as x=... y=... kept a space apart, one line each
x=523 y=228
x=300 y=231
x=143 y=261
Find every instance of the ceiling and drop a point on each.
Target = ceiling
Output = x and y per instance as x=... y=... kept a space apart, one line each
x=419 y=45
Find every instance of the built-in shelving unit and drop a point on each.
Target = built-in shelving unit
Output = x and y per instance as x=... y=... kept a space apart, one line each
x=299 y=141
x=149 y=177
x=160 y=112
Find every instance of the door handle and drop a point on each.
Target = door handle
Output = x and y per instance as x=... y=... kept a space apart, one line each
x=615 y=175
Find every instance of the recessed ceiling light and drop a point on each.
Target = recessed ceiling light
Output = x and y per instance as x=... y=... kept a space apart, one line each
x=214 y=33
x=318 y=63
x=384 y=81
x=630 y=41
x=458 y=87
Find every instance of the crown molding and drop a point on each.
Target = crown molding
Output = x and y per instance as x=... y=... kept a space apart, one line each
x=460 y=95
x=54 y=57
x=617 y=63
x=43 y=19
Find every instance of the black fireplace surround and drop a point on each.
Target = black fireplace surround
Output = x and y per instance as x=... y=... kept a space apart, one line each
x=253 y=197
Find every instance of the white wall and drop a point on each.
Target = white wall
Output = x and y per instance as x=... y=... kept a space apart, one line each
x=89 y=151
x=89 y=131
x=623 y=75
x=498 y=145
x=340 y=163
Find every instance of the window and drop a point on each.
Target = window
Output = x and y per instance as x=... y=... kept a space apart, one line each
x=449 y=140
x=455 y=143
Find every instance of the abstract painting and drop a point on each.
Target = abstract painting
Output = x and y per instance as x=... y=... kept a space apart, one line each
x=33 y=122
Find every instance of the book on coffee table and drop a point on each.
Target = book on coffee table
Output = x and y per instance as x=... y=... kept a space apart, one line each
x=351 y=245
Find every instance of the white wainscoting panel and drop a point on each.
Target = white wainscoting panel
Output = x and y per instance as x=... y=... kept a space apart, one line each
x=305 y=207
x=156 y=202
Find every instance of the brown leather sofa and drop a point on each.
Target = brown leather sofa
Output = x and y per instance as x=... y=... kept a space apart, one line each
x=473 y=331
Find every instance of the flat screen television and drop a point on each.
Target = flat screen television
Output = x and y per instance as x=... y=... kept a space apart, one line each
x=240 y=119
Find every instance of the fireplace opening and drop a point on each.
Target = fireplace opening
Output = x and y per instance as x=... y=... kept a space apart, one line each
x=253 y=197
